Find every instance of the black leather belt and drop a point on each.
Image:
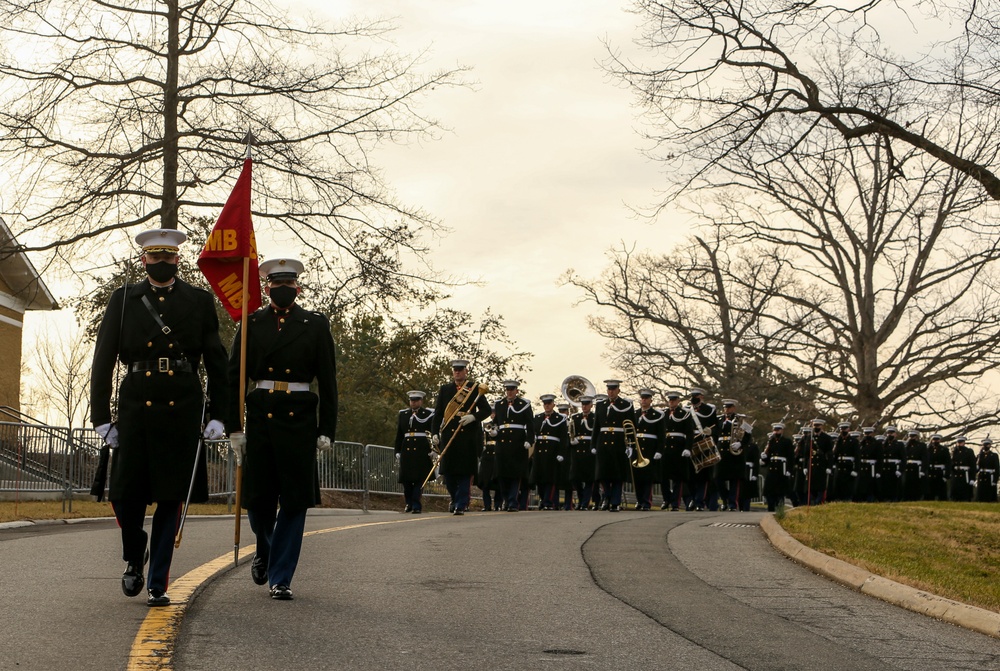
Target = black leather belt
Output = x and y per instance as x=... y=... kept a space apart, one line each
x=161 y=365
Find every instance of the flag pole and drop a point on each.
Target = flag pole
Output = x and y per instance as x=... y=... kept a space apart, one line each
x=245 y=295
x=242 y=405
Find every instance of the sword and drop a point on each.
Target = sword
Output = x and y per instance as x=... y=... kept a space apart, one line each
x=194 y=471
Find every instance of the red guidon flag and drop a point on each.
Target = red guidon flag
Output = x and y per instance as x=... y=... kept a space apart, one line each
x=231 y=241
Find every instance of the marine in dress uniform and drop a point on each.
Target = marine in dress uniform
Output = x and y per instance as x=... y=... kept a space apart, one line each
x=915 y=468
x=963 y=471
x=730 y=469
x=160 y=329
x=514 y=424
x=486 y=477
x=893 y=462
x=413 y=450
x=458 y=432
x=939 y=469
x=677 y=466
x=815 y=450
x=609 y=439
x=846 y=453
x=777 y=457
x=748 y=487
x=583 y=457
x=650 y=431
x=988 y=466
x=551 y=449
x=563 y=481
x=869 y=467
x=288 y=349
x=705 y=493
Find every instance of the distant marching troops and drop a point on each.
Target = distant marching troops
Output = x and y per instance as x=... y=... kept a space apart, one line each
x=591 y=454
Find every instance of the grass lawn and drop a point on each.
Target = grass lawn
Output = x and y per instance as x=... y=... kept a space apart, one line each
x=949 y=549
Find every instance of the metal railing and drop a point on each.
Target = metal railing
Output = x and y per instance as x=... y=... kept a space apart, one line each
x=56 y=460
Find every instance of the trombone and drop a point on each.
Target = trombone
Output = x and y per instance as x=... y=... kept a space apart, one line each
x=632 y=441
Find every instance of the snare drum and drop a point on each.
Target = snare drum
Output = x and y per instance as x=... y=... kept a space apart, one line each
x=704 y=453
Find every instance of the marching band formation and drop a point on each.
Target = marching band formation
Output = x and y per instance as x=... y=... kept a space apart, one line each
x=701 y=458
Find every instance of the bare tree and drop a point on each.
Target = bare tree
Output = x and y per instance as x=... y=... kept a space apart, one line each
x=58 y=382
x=695 y=317
x=125 y=113
x=738 y=76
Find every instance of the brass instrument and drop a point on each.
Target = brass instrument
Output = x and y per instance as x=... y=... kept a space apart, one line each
x=575 y=386
x=632 y=441
x=737 y=434
x=451 y=411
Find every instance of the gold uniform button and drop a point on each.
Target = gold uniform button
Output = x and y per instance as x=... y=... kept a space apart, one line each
x=149 y=344
x=270 y=391
x=170 y=346
x=270 y=370
x=161 y=300
x=288 y=370
x=281 y=321
x=269 y=415
x=149 y=403
x=148 y=373
x=170 y=372
x=291 y=414
x=171 y=404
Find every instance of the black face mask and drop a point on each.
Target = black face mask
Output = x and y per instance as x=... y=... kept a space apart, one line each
x=161 y=271
x=283 y=296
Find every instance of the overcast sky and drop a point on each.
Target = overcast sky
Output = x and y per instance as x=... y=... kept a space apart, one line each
x=537 y=169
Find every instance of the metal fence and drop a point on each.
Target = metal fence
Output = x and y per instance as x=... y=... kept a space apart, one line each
x=57 y=461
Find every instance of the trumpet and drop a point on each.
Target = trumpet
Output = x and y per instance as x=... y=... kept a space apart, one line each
x=632 y=441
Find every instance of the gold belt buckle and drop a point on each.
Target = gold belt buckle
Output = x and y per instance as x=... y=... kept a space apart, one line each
x=280 y=385
x=163 y=364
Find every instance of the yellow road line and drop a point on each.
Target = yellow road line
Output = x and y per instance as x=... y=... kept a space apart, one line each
x=156 y=641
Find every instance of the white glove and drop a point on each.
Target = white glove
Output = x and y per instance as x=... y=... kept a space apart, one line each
x=854 y=474
x=323 y=442
x=397 y=456
x=898 y=474
x=465 y=420
x=657 y=456
x=763 y=461
x=109 y=432
x=707 y=431
x=735 y=445
x=238 y=440
x=628 y=452
x=214 y=430
x=753 y=478
x=493 y=432
x=434 y=456
x=560 y=458
x=686 y=453
x=527 y=445
x=575 y=441
x=435 y=440
x=805 y=471
x=828 y=471
x=878 y=475
x=593 y=450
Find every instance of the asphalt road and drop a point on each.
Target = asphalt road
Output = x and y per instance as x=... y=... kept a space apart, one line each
x=532 y=590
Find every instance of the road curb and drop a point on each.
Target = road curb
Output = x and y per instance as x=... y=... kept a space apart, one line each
x=970 y=617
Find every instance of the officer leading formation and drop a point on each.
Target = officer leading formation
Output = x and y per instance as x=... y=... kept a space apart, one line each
x=160 y=329
x=702 y=459
x=291 y=413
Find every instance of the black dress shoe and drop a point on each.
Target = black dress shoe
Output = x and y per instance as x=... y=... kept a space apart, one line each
x=157 y=598
x=408 y=508
x=615 y=509
x=258 y=570
x=416 y=511
x=132 y=580
x=458 y=511
x=281 y=593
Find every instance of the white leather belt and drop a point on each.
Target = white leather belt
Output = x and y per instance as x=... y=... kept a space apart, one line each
x=583 y=437
x=868 y=461
x=281 y=385
x=555 y=438
x=941 y=466
x=416 y=434
x=987 y=470
x=962 y=468
x=915 y=461
x=779 y=458
x=847 y=458
x=894 y=461
x=674 y=434
x=612 y=429
x=511 y=426
x=651 y=436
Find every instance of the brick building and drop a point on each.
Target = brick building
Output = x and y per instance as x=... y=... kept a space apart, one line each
x=21 y=289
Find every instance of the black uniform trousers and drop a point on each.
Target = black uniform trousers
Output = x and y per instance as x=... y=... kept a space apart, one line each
x=130 y=515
